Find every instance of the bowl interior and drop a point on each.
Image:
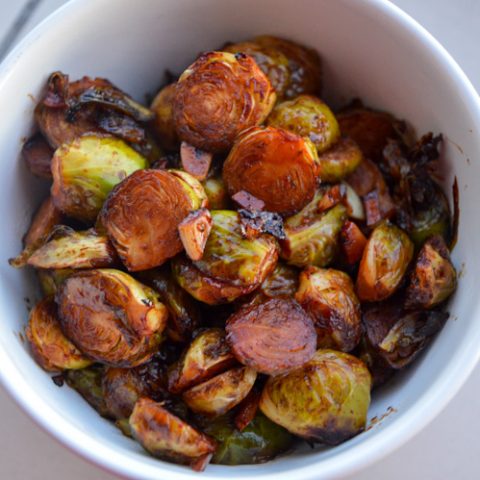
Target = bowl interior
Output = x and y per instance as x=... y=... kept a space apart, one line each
x=371 y=51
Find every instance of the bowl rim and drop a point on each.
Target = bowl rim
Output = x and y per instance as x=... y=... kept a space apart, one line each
x=372 y=449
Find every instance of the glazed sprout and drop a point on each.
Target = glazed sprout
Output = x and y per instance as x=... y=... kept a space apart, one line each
x=142 y=214
x=51 y=349
x=50 y=280
x=85 y=171
x=273 y=337
x=247 y=409
x=37 y=154
x=325 y=400
x=384 y=262
x=312 y=239
x=221 y=393
x=275 y=166
x=162 y=107
x=259 y=442
x=194 y=230
x=303 y=63
x=281 y=283
x=307 y=116
x=433 y=278
x=216 y=193
x=339 y=161
x=217 y=97
x=352 y=242
x=111 y=317
x=328 y=296
x=166 y=436
x=207 y=356
x=194 y=161
x=74 y=250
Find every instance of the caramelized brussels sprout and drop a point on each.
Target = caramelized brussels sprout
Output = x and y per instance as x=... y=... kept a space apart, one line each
x=207 y=356
x=303 y=63
x=50 y=280
x=339 y=161
x=217 y=97
x=282 y=282
x=168 y=437
x=307 y=116
x=259 y=442
x=51 y=349
x=37 y=154
x=142 y=214
x=434 y=277
x=222 y=392
x=398 y=336
x=216 y=193
x=273 y=337
x=85 y=170
x=162 y=107
x=194 y=230
x=88 y=383
x=311 y=239
x=74 y=250
x=196 y=162
x=384 y=262
x=326 y=400
x=273 y=165
x=111 y=317
x=328 y=296
x=352 y=242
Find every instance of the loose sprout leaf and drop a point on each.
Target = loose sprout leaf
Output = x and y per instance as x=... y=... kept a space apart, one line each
x=37 y=154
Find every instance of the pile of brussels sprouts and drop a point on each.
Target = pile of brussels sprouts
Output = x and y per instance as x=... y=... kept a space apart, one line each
x=233 y=269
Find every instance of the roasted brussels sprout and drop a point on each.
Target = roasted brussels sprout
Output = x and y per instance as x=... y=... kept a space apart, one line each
x=385 y=260
x=51 y=349
x=194 y=230
x=216 y=193
x=352 y=242
x=312 y=238
x=282 y=282
x=50 y=280
x=142 y=214
x=273 y=337
x=307 y=116
x=434 y=277
x=217 y=97
x=111 y=317
x=247 y=409
x=273 y=165
x=303 y=63
x=74 y=250
x=328 y=296
x=162 y=107
x=326 y=400
x=339 y=161
x=222 y=392
x=207 y=356
x=166 y=436
x=85 y=170
x=38 y=154
x=259 y=442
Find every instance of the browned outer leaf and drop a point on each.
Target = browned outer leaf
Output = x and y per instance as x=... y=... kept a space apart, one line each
x=37 y=154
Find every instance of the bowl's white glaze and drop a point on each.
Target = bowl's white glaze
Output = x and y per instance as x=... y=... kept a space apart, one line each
x=370 y=49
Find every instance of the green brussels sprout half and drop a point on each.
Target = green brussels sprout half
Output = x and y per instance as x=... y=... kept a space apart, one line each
x=307 y=116
x=85 y=171
x=282 y=282
x=326 y=400
x=217 y=194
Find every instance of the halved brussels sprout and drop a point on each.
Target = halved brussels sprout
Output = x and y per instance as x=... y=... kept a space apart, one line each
x=385 y=260
x=273 y=165
x=352 y=242
x=303 y=63
x=307 y=116
x=339 y=161
x=168 y=437
x=273 y=337
x=142 y=214
x=193 y=187
x=281 y=283
x=217 y=97
x=163 y=125
x=434 y=277
x=326 y=400
x=50 y=280
x=222 y=392
x=51 y=349
x=194 y=230
x=111 y=317
x=196 y=162
x=85 y=170
x=216 y=193
x=259 y=442
x=328 y=296
x=37 y=154
x=75 y=250
x=312 y=238
x=207 y=356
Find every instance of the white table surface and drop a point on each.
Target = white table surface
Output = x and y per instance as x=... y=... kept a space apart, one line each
x=447 y=449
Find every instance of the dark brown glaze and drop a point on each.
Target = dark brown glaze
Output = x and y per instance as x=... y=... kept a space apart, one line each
x=352 y=242
x=328 y=296
x=273 y=337
x=196 y=162
x=37 y=154
x=107 y=320
x=141 y=217
x=247 y=409
x=163 y=125
x=194 y=230
x=217 y=97
x=274 y=165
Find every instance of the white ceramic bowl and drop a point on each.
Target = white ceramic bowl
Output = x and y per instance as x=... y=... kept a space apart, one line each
x=370 y=49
